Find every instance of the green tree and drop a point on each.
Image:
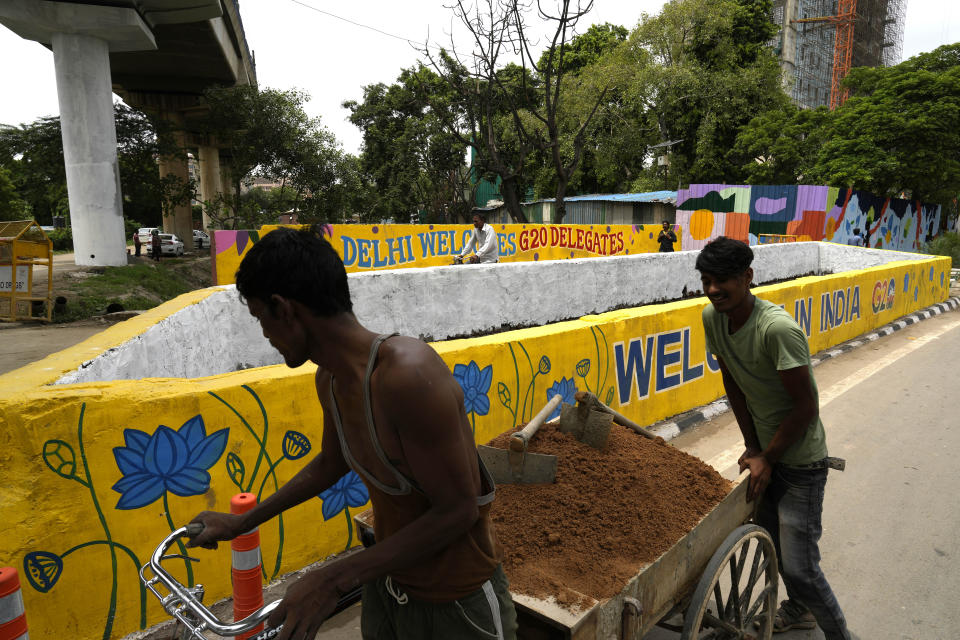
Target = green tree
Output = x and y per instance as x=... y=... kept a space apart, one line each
x=709 y=75
x=33 y=154
x=412 y=161
x=615 y=143
x=269 y=134
x=541 y=119
x=140 y=142
x=587 y=48
x=783 y=146
x=476 y=109
x=896 y=134
x=900 y=129
x=11 y=206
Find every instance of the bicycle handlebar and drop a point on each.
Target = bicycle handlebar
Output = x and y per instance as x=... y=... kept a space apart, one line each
x=183 y=602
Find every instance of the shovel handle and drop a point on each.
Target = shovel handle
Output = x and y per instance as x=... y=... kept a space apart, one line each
x=519 y=440
x=619 y=418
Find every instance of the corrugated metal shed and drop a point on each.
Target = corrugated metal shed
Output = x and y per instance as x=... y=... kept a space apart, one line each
x=605 y=208
x=666 y=197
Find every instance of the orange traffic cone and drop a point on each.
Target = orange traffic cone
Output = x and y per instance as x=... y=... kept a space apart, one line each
x=247 y=584
x=13 y=621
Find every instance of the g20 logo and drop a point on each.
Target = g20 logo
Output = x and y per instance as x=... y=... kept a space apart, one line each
x=883 y=294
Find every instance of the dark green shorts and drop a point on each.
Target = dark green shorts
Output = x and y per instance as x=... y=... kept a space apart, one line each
x=485 y=614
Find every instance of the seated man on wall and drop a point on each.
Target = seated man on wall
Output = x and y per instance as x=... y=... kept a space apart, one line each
x=484 y=240
x=394 y=413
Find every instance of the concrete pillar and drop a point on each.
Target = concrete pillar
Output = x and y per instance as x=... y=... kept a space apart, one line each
x=82 y=37
x=226 y=186
x=178 y=218
x=209 y=159
x=788 y=45
x=82 y=68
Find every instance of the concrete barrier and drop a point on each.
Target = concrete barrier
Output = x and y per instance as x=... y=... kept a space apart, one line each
x=438 y=303
x=109 y=445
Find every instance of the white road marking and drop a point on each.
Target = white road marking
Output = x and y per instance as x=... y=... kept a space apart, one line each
x=838 y=389
x=728 y=457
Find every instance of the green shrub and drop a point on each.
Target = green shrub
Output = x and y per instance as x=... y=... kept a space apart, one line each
x=62 y=239
x=945 y=244
x=130 y=227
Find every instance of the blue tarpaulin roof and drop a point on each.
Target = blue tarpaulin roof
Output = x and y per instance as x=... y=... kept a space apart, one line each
x=650 y=196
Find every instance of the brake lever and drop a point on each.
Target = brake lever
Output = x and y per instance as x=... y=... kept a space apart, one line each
x=179 y=556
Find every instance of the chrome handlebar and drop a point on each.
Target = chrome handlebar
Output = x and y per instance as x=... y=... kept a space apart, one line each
x=185 y=603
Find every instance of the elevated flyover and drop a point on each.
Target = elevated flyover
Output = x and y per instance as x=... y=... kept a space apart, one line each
x=159 y=56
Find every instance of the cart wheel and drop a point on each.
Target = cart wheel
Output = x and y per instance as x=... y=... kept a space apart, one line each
x=737 y=594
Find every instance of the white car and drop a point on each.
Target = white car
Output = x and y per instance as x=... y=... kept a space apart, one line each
x=170 y=245
x=145 y=233
x=200 y=239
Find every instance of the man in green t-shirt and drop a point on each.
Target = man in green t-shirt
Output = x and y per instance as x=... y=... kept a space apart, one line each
x=765 y=364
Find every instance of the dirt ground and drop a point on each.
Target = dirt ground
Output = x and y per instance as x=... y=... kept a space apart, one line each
x=68 y=278
x=21 y=343
x=24 y=342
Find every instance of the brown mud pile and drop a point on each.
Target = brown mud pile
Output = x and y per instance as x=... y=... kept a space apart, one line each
x=609 y=513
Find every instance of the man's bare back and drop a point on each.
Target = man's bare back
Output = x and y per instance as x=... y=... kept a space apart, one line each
x=431 y=503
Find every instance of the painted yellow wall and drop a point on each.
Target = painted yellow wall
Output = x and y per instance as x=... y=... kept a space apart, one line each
x=364 y=247
x=63 y=449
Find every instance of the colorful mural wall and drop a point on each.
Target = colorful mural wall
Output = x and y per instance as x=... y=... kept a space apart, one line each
x=96 y=474
x=705 y=211
x=394 y=246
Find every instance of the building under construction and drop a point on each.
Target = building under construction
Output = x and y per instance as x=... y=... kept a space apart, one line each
x=820 y=40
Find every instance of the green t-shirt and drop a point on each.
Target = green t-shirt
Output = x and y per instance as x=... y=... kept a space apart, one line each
x=770 y=341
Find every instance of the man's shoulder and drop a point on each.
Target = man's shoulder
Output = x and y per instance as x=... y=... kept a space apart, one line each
x=709 y=313
x=410 y=378
x=772 y=312
x=775 y=319
x=402 y=357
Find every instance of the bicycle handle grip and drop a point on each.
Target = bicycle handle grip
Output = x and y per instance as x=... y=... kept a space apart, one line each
x=195 y=528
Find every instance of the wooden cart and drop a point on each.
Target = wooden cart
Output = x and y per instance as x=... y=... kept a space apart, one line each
x=721 y=578
x=694 y=579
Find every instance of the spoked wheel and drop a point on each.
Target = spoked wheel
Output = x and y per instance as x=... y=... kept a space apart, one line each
x=736 y=598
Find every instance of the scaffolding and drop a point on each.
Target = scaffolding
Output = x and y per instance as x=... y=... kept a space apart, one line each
x=822 y=39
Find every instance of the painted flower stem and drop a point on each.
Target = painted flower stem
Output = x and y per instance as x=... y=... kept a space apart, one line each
x=112 y=611
x=136 y=567
x=606 y=366
x=263 y=441
x=183 y=549
x=533 y=373
x=597 y=347
x=530 y=389
x=271 y=473
x=516 y=377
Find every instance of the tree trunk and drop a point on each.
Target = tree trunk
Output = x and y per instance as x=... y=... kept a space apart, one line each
x=559 y=206
x=508 y=187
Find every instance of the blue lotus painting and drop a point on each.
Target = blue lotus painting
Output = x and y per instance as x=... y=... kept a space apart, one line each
x=167 y=460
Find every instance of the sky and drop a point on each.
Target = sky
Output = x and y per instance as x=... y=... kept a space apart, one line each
x=299 y=44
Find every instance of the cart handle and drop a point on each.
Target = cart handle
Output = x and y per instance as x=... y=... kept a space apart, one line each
x=182 y=602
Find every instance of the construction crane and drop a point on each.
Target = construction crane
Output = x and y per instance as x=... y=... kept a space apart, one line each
x=842 y=47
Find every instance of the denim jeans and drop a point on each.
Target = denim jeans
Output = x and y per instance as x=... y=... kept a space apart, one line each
x=791 y=510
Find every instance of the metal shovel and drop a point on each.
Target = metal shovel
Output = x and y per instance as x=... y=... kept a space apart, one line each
x=589 y=404
x=516 y=465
